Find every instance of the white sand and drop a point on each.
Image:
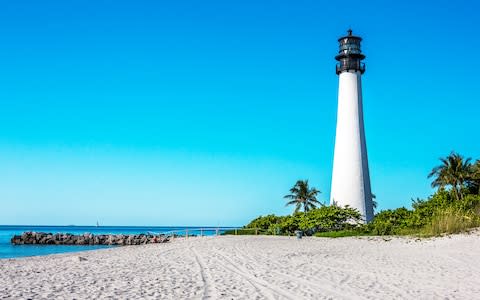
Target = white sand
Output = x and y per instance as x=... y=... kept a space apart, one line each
x=251 y=267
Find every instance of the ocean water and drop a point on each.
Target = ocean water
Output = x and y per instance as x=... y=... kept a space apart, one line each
x=7 y=250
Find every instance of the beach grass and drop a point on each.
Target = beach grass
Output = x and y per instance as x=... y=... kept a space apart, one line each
x=450 y=221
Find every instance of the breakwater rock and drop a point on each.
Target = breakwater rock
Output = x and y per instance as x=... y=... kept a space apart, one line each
x=43 y=238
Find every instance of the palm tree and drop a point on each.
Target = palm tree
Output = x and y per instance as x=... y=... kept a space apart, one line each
x=455 y=171
x=302 y=195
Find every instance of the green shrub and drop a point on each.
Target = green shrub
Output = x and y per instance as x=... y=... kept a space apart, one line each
x=329 y=218
x=423 y=210
x=263 y=222
x=289 y=224
x=440 y=213
x=325 y=218
x=469 y=203
x=391 y=221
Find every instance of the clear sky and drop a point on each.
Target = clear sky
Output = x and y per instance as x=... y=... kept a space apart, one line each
x=207 y=112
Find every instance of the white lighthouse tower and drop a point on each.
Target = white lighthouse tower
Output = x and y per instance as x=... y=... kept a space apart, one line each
x=350 y=178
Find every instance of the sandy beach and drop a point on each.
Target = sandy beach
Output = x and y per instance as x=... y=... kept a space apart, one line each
x=256 y=267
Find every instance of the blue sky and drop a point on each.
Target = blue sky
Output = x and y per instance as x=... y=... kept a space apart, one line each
x=207 y=112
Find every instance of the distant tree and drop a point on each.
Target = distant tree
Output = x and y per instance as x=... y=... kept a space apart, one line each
x=454 y=171
x=475 y=177
x=301 y=195
x=374 y=202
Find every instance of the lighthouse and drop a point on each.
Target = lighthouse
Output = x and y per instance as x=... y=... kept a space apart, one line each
x=350 y=176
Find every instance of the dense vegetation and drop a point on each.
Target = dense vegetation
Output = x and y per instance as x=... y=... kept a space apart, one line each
x=455 y=207
x=325 y=218
x=440 y=213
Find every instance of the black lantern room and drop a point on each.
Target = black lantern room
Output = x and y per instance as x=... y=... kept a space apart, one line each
x=349 y=54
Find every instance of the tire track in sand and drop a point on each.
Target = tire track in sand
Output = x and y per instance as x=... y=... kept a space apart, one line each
x=319 y=288
x=322 y=287
x=207 y=291
x=264 y=287
x=206 y=285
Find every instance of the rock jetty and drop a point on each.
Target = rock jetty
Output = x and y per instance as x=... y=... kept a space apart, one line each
x=43 y=238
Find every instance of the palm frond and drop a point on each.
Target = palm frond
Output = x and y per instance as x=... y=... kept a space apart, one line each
x=302 y=195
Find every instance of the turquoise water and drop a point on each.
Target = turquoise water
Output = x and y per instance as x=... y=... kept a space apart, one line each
x=7 y=250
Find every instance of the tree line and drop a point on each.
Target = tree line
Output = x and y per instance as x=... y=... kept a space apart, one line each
x=454 y=207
